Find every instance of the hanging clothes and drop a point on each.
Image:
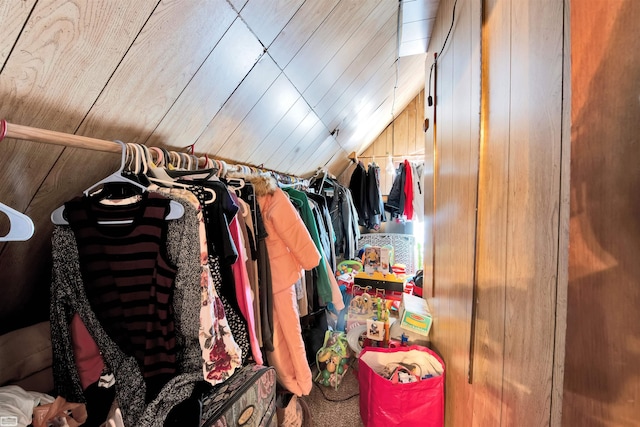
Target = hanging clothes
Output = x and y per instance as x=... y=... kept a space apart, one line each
x=128 y=278
x=251 y=263
x=265 y=293
x=220 y=354
x=408 y=191
x=69 y=297
x=322 y=282
x=243 y=286
x=406 y=197
x=344 y=216
x=327 y=226
x=326 y=284
x=374 y=198
x=367 y=199
x=291 y=250
x=395 y=199
x=358 y=188
x=417 y=170
x=222 y=254
x=324 y=235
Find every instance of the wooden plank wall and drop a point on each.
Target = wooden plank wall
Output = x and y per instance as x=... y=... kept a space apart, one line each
x=501 y=150
x=532 y=191
x=456 y=138
x=603 y=320
x=263 y=82
x=403 y=138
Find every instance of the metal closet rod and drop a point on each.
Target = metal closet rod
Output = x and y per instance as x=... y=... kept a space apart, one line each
x=11 y=130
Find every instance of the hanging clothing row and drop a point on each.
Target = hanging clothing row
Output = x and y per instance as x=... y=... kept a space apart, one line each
x=344 y=216
x=167 y=280
x=367 y=198
x=406 y=197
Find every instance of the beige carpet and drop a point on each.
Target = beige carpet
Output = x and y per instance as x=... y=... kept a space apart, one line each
x=335 y=408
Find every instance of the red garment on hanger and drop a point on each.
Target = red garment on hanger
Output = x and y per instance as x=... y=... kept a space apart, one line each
x=408 y=191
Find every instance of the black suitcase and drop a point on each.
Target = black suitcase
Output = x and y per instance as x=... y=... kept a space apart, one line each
x=248 y=399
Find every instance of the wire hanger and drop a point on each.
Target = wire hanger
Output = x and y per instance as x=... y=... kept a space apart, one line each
x=176 y=209
x=21 y=225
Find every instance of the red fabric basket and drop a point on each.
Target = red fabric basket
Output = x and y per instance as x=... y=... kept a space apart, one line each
x=384 y=404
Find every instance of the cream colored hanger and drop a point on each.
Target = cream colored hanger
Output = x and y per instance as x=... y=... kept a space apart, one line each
x=159 y=161
x=161 y=177
x=174 y=159
x=186 y=161
x=176 y=209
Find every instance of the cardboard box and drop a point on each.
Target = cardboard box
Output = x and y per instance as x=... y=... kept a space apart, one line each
x=371 y=260
x=415 y=315
x=396 y=332
x=377 y=259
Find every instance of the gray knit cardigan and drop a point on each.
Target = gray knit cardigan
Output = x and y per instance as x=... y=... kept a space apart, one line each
x=68 y=297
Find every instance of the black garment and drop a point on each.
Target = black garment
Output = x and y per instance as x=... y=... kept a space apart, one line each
x=189 y=412
x=373 y=189
x=395 y=200
x=374 y=198
x=217 y=217
x=365 y=190
x=247 y=193
x=99 y=401
x=222 y=254
x=237 y=323
x=358 y=188
x=266 y=295
x=129 y=279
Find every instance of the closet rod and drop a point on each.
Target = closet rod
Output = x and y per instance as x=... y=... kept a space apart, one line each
x=10 y=130
x=408 y=157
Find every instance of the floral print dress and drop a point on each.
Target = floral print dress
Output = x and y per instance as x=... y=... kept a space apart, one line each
x=221 y=354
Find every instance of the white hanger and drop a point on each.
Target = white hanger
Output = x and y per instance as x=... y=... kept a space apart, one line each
x=176 y=209
x=21 y=225
x=117 y=176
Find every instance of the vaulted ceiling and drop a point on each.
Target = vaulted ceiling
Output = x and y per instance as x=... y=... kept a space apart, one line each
x=289 y=84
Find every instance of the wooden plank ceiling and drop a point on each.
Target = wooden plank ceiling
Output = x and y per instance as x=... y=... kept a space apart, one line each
x=258 y=81
x=293 y=85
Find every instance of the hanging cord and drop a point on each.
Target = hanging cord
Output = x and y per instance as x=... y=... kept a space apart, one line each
x=436 y=56
x=397 y=60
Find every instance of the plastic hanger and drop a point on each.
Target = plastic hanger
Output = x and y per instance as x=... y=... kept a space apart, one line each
x=167 y=177
x=186 y=161
x=236 y=184
x=117 y=176
x=21 y=225
x=176 y=209
x=159 y=160
x=175 y=184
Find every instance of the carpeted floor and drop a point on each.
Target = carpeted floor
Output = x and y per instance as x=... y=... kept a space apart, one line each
x=335 y=408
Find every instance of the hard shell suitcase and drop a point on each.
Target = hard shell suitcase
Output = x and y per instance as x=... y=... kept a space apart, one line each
x=248 y=399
